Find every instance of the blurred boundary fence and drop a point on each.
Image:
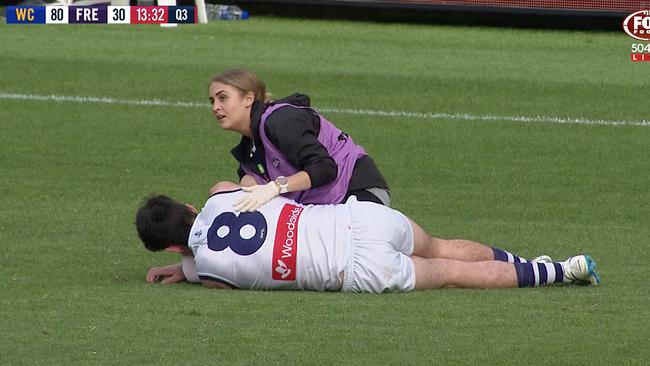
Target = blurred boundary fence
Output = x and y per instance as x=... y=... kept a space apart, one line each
x=553 y=14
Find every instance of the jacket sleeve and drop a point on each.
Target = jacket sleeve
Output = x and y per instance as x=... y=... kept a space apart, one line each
x=240 y=172
x=295 y=133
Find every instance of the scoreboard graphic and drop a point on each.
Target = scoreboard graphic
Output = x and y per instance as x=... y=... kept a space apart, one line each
x=101 y=14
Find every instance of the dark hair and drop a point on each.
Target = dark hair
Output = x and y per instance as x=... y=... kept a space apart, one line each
x=162 y=222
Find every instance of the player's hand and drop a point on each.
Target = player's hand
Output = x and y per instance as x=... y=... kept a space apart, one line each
x=167 y=275
x=257 y=196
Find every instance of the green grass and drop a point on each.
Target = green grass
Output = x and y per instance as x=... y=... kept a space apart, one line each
x=72 y=270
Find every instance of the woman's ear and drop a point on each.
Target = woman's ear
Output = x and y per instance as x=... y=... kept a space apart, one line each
x=249 y=98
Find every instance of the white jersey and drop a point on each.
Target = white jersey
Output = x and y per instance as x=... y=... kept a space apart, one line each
x=282 y=245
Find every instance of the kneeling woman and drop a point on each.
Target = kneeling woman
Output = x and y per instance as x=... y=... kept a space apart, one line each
x=288 y=148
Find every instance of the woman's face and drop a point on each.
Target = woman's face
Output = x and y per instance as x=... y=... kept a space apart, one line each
x=230 y=108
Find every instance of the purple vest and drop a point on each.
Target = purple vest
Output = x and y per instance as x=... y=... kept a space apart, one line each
x=344 y=152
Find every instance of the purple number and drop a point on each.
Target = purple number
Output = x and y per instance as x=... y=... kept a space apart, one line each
x=226 y=232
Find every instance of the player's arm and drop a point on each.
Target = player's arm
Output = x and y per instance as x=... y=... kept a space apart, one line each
x=167 y=275
x=216 y=284
x=247 y=181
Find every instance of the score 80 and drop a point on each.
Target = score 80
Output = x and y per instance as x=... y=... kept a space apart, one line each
x=56 y=14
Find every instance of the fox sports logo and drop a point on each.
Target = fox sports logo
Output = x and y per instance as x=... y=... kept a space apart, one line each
x=637 y=25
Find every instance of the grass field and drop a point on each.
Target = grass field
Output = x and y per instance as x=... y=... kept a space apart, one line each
x=72 y=271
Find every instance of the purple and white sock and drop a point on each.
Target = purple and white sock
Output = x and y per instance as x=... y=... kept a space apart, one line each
x=534 y=274
x=504 y=256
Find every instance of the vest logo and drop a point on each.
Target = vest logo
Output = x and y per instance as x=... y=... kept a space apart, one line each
x=276 y=162
x=285 y=246
x=637 y=25
x=282 y=269
x=198 y=234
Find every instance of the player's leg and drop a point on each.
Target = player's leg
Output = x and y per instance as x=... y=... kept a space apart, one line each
x=439 y=273
x=427 y=246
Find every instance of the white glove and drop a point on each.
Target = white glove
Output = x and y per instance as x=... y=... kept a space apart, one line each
x=259 y=195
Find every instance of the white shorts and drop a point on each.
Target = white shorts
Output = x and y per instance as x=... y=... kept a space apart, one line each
x=382 y=241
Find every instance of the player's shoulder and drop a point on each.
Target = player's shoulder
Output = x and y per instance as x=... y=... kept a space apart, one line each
x=223 y=195
x=220 y=201
x=223 y=186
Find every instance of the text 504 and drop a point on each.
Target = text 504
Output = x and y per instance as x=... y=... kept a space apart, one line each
x=641 y=47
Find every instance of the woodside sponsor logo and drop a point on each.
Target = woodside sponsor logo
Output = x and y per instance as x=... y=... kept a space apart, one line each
x=285 y=247
x=637 y=25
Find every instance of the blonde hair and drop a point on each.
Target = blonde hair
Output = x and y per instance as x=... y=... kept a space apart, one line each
x=245 y=81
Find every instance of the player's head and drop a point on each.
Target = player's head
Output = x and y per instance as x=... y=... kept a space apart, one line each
x=162 y=222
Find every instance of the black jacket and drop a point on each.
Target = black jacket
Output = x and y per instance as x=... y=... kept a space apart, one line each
x=295 y=133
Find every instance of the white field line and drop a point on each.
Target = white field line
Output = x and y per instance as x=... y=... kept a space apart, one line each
x=486 y=117
x=349 y=111
x=101 y=100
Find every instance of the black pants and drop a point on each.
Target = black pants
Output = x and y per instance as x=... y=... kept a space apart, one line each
x=363 y=195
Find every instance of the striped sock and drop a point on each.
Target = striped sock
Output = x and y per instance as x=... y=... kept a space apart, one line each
x=533 y=274
x=503 y=256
